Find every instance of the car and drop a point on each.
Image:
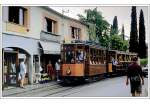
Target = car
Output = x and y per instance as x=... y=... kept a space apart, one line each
x=145 y=71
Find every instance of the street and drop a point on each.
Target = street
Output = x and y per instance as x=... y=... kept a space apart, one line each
x=114 y=87
x=110 y=87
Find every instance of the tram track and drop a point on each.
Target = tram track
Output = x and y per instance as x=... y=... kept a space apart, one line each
x=10 y=92
x=50 y=90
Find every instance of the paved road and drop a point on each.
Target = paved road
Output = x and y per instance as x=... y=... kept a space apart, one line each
x=114 y=87
x=111 y=87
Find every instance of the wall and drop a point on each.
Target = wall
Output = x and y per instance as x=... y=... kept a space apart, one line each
x=36 y=24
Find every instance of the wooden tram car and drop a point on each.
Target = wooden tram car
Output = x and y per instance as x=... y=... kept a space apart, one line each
x=82 y=61
x=123 y=60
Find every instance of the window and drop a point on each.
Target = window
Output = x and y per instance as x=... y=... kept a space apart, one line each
x=79 y=56
x=75 y=32
x=50 y=25
x=17 y=15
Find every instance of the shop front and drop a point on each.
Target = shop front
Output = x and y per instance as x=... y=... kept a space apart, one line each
x=14 y=50
x=11 y=61
x=50 y=53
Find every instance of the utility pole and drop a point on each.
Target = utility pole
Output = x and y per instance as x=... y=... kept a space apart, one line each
x=63 y=27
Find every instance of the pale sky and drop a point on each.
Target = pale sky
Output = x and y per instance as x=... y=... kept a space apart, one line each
x=123 y=14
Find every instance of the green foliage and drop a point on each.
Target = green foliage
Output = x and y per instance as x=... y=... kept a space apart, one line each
x=92 y=32
x=122 y=33
x=133 y=34
x=142 y=43
x=144 y=62
x=101 y=25
x=115 y=26
x=99 y=30
x=118 y=43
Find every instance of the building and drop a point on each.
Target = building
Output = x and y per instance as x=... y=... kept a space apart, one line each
x=35 y=34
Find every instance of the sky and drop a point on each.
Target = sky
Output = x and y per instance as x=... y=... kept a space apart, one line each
x=123 y=14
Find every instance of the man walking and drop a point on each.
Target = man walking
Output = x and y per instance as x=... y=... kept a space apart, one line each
x=134 y=73
x=57 y=67
x=22 y=72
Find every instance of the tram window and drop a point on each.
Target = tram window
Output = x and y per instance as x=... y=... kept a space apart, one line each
x=69 y=57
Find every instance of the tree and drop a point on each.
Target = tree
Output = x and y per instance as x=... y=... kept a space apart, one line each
x=101 y=25
x=92 y=32
x=114 y=27
x=122 y=33
x=118 y=43
x=133 y=47
x=142 y=43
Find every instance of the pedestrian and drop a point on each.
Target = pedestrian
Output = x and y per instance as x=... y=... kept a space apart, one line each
x=50 y=70
x=57 y=67
x=22 y=72
x=134 y=73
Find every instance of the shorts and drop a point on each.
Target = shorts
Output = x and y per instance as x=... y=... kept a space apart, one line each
x=136 y=87
x=21 y=76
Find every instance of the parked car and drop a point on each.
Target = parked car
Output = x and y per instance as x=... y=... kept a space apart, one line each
x=145 y=71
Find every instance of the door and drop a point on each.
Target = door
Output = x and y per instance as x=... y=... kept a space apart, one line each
x=10 y=68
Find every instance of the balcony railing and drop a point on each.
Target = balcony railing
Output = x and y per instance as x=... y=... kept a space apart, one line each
x=50 y=36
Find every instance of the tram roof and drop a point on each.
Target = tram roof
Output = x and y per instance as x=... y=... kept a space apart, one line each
x=87 y=43
x=123 y=52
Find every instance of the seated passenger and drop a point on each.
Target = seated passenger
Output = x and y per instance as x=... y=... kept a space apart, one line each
x=69 y=56
x=72 y=60
x=91 y=62
x=80 y=57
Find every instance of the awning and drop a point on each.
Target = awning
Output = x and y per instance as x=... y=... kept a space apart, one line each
x=50 y=47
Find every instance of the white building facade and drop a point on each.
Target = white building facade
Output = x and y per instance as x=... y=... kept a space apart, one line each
x=35 y=34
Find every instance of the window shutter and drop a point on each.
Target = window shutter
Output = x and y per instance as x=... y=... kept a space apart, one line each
x=21 y=16
x=5 y=13
x=45 y=24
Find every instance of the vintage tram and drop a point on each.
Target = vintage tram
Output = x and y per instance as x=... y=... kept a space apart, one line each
x=123 y=60
x=82 y=61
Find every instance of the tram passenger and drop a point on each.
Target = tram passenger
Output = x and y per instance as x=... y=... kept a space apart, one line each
x=72 y=60
x=114 y=64
x=69 y=57
x=80 y=56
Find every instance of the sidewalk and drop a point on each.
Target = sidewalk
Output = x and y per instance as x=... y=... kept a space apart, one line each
x=12 y=90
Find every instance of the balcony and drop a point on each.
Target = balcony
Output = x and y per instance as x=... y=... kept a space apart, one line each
x=50 y=36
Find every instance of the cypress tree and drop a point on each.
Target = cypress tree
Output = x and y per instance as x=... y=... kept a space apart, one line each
x=133 y=33
x=115 y=25
x=142 y=43
x=122 y=32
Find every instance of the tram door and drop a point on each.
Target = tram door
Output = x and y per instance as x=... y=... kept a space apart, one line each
x=10 y=68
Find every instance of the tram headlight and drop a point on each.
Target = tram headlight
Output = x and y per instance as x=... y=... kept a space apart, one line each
x=68 y=71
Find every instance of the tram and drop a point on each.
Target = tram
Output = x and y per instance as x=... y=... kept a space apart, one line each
x=81 y=61
x=123 y=60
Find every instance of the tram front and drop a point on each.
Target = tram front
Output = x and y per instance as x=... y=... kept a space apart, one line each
x=72 y=61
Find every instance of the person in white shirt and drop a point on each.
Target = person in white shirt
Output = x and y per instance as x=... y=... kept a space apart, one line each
x=114 y=63
x=22 y=72
x=57 y=67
